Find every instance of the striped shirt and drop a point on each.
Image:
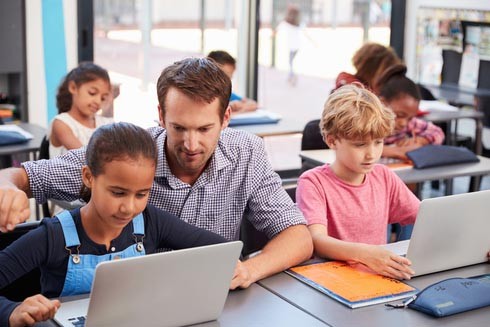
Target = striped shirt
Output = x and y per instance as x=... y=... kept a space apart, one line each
x=238 y=182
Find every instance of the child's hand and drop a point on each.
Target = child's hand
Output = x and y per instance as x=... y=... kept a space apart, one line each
x=387 y=263
x=14 y=208
x=243 y=105
x=34 y=309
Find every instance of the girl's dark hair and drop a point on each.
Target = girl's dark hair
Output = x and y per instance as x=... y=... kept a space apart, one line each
x=393 y=83
x=117 y=141
x=85 y=72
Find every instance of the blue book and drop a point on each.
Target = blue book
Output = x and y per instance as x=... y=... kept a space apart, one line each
x=259 y=116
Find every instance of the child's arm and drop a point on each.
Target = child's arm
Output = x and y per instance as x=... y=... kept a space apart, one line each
x=425 y=132
x=62 y=135
x=375 y=257
x=176 y=234
x=243 y=105
x=33 y=309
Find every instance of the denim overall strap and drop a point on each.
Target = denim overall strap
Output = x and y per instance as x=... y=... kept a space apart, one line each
x=80 y=271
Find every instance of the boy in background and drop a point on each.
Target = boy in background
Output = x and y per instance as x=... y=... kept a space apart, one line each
x=228 y=65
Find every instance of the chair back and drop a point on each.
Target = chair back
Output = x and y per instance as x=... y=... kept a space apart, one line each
x=44 y=148
x=28 y=284
x=253 y=240
x=312 y=140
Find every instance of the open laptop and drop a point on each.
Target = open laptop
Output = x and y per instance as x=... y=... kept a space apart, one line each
x=165 y=289
x=450 y=232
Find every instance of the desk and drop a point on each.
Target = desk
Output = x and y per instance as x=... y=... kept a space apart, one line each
x=442 y=116
x=31 y=146
x=457 y=95
x=412 y=175
x=254 y=306
x=334 y=313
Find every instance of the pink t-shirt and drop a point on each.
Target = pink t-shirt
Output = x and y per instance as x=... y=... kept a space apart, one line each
x=356 y=213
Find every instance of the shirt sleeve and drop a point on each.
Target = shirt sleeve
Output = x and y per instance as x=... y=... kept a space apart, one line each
x=404 y=205
x=235 y=97
x=311 y=199
x=58 y=178
x=269 y=207
x=174 y=233
x=18 y=259
x=432 y=133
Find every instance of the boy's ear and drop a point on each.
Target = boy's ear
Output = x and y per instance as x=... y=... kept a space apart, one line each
x=330 y=141
x=87 y=176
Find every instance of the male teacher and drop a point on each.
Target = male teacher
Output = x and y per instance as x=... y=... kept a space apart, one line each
x=209 y=175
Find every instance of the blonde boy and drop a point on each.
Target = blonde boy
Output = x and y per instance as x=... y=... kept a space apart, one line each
x=349 y=203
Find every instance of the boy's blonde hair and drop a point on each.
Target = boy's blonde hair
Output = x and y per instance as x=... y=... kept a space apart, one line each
x=352 y=112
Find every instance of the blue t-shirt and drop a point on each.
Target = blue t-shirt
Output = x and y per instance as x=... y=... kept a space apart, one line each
x=235 y=97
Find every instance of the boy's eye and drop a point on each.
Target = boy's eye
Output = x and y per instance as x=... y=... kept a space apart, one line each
x=117 y=193
x=141 y=195
x=178 y=128
x=203 y=129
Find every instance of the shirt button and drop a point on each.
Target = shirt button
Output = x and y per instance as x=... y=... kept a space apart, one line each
x=113 y=249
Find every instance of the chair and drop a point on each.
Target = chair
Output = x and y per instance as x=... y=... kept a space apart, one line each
x=312 y=140
x=253 y=240
x=483 y=105
x=44 y=154
x=28 y=284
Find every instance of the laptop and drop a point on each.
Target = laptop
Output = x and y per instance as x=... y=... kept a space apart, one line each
x=174 y=288
x=450 y=232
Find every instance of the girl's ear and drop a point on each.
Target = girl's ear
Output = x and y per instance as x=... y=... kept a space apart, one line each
x=72 y=87
x=87 y=177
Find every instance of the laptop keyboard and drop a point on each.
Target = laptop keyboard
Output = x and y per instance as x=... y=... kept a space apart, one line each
x=77 y=321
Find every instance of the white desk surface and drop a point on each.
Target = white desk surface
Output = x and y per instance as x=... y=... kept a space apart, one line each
x=334 y=313
x=412 y=175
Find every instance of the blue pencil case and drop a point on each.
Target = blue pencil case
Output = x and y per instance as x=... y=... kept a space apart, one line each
x=440 y=155
x=11 y=137
x=453 y=295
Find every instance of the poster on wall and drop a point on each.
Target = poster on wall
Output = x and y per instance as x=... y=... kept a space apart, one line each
x=441 y=29
x=450 y=35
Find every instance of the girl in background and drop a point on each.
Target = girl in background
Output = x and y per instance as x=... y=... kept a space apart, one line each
x=81 y=94
x=115 y=223
x=402 y=95
x=370 y=61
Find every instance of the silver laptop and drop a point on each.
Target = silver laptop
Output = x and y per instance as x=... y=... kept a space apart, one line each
x=450 y=232
x=165 y=289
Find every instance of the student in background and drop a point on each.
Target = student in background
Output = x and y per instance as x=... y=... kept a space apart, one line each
x=208 y=175
x=291 y=26
x=401 y=94
x=349 y=204
x=83 y=91
x=370 y=61
x=115 y=222
x=228 y=64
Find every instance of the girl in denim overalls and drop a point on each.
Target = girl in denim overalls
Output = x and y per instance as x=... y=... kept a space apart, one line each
x=117 y=178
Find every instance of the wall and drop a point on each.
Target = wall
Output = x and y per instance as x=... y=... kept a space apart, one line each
x=411 y=22
x=39 y=72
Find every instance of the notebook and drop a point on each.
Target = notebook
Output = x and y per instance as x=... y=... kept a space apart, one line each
x=259 y=116
x=165 y=289
x=450 y=232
